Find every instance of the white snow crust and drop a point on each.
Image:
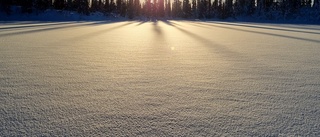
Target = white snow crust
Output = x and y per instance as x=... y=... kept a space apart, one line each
x=159 y=78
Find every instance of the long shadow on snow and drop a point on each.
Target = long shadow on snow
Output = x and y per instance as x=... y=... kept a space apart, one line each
x=47 y=28
x=289 y=26
x=257 y=32
x=19 y=22
x=221 y=50
x=283 y=24
x=157 y=28
x=96 y=33
x=35 y=25
x=207 y=42
x=141 y=22
x=170 y=23
x=263 y=27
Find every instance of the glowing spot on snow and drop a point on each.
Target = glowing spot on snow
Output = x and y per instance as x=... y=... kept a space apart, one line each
x=172 y=48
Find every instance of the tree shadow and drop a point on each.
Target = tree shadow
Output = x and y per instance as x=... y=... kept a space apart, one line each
x=264 y=27
x=157 y=28
x=96 y=33
x=316 y=27
x=228 y=26
x=50 y=27
x=19 y=22
x=170 y=23
x=141 y=22
x=34 y=25
x=208 y=43
x=219 y=49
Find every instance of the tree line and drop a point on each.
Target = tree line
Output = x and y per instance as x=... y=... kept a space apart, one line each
x=172 y=9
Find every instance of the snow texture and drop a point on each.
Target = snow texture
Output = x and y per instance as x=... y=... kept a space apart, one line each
x=159 y=78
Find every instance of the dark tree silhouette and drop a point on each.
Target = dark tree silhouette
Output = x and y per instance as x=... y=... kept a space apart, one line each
x=186 y=9
x=59 y=4
x=5 y=6
x=26 y=6
x=178 y=8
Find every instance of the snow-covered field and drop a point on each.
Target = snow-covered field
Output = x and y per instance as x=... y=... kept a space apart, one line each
x=159 y=78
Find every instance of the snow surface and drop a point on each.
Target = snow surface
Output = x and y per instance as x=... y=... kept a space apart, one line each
x=159 y=78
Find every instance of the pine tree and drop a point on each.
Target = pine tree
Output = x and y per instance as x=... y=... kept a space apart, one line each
x=161 y=8
x=123 y=8
x=244 y=7
x=306 y=3
x=26 y=6
x=228 y=10
x=148 y=8
x=215 y=7
x=39 y=5
x=155 y=9
x=295 y=6
x=100 y=6
x=250 y=6
x=5 y=6
x=137 y=7
x=199 y=9
x=176 y=8
x=209 y=9
x=186 y=9
x=59 y=4
x=130 y=9
x=194 y=8
x=69 y=5
x=220 y=9
x=82 y=6
x=316 y=4
x=113 y=6
x=260 y=6
x=239 y=7
x=49 y=3
x=94 y=5
x=168 y=9
x=106 y=6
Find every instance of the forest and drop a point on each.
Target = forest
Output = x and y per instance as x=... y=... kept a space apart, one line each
x=269 y=9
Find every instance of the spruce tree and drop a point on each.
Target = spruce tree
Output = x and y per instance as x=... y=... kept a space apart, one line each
x=94 y=5
x=59 y=4
x=161 y=8
x=113 y=6
x=215 y=6
x=118 y=7
x=130 y=12
x=69 y=5
x=186 y=9
x=82 y=6
x=106 y=7
x=155 y=8
x=26 y=6
x=123 y=8
x=228 y=11
x=137 y=7
x=5 y=6
x=169 y=10
x=316 y=4
x=194 y=8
